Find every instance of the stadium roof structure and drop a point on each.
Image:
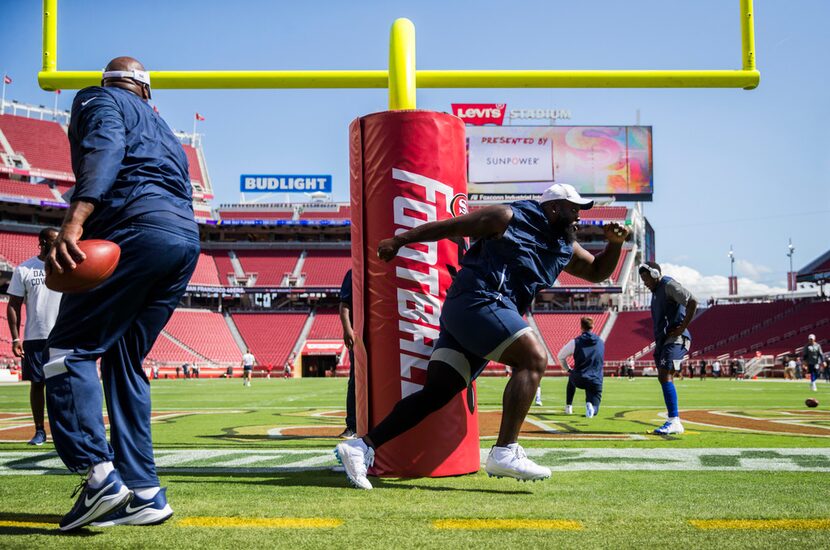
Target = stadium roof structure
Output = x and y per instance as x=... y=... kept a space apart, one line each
x=817 y=271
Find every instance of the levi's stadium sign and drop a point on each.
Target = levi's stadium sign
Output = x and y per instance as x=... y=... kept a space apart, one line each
x=479 y=114
x=282 y=183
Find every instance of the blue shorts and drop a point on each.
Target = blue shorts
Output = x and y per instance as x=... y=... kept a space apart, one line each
x=670 y=357
x=476 y=327
x=35 y=354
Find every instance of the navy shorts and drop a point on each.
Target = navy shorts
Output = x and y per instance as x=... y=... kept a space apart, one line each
x=35 y=354
x=670 y=357
x=476 y=327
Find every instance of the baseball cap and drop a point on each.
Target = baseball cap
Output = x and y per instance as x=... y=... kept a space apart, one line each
x=565 y=192
x=811 y=337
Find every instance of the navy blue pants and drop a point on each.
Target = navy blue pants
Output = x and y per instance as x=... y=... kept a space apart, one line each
x=593 y=391
x=351 y=414
x=34 y=355
x=117 y=322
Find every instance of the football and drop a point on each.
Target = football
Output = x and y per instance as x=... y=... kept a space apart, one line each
x=812 y=403
x=101 y=260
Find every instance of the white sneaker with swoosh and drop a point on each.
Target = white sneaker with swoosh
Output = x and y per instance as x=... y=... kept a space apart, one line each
x=93 y=503
x=139 y=511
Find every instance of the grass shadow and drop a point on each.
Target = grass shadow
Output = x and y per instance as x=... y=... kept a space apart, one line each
x=26 y=527
x=334 y=480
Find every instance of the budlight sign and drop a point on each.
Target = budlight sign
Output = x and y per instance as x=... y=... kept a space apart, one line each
x=282 y=183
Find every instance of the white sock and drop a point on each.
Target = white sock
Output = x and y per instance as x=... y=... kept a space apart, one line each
x=146 y=493
x=674 y=419
x=98 y=473
x=539 y=393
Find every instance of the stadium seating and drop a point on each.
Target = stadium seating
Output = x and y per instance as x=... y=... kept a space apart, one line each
x=26 y=190
x=205 y=273
x=326 y=267
x=166 y=350
x=206 y=333
x=631 y=333
x=568 y=280
x=606 y=213
x=326 y=325
x=18 y=247
x=722 y=323
x=337 y=212
x=193 y=162
x=269 y=265
x=558 y=328
x=270 y=336
x=223 y=265
x=784 y=332
x=43 y=143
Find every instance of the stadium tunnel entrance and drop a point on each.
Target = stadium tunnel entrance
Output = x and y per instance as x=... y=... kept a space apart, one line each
x=320 y=358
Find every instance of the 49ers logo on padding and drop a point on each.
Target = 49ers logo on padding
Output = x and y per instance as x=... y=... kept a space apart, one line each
x=458 y=206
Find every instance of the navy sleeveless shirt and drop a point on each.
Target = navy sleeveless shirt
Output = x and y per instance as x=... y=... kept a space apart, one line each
x=526 y=259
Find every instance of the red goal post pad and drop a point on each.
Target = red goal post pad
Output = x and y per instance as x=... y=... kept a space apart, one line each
x=407 y=168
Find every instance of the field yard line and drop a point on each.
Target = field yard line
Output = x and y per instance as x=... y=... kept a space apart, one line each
x=505 y=524
x=180 y=461
x=756 y=524
x=27 y=524
x=268 y=523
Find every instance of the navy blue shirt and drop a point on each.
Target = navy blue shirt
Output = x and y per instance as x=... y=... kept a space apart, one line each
x=589 y=357
x=127 y=162
x=668 y=309
x=346 y=294
x=526 y=259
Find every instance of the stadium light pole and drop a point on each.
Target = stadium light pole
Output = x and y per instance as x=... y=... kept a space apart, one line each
x=731 y=261
x=790 y=252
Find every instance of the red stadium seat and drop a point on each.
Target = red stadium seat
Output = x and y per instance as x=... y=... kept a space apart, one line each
x=270 y=336
x=42 y=143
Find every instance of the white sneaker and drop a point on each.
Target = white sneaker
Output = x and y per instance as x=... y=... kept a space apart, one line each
x=672 y=426
x=511 y=461
x=356 y=457
x=538 y=402
x=569 y=409
x=589 y=410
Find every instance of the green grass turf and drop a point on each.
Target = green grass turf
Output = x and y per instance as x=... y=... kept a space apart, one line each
x=621 y=509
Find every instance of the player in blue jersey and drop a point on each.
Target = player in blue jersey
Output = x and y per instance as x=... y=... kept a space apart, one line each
x=672 y=309
x=588 y=351
x=519 y=249
x=133 y=188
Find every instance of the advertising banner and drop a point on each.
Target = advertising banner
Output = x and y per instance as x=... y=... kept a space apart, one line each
x=516 y=162
x=284 y=183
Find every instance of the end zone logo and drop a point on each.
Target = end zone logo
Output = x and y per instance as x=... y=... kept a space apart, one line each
x=479 y=114
x=458 y=206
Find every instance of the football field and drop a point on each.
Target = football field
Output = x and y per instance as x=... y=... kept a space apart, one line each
x=253 y=467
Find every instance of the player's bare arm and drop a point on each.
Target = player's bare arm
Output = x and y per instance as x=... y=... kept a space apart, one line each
x=691 y=307
x=596 y=269
x=65 y=252
x=490 y=222
x=13 y=316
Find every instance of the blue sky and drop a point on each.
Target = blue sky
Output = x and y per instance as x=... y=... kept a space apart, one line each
x=747 y=168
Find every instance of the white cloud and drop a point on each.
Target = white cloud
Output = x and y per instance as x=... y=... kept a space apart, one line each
x=752 y=271
x=716 y=286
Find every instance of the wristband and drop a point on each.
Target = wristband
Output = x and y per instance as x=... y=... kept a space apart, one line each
x=15 y=340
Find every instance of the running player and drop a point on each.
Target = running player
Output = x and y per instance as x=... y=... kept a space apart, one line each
x=588 y=351
x=672 y=309
x=27 y=286
x=247 y=367
x=520 y=249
